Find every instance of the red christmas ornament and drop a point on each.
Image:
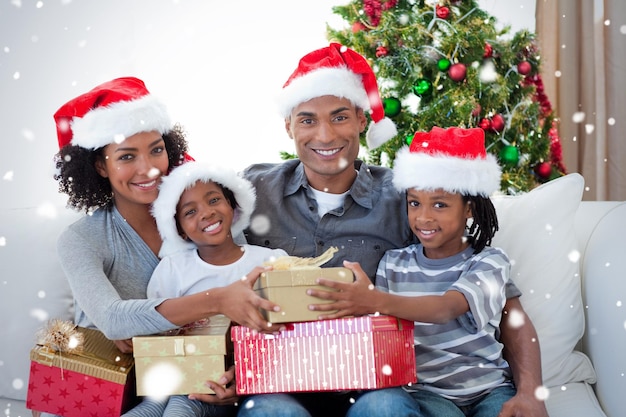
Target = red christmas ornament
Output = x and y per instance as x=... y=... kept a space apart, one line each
x=389 y=4
x=381 y=51
x=485 y=124
x=543 y=170
x=442 y=12
x=358 y=27
x=488 y=53
x=373 y=10
x=457 y=72
x=524 y=68
x=497 y=123
x=477 y=110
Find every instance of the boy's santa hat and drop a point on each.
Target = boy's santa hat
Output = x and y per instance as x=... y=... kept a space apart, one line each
x=110 y=113
x=184 y=177
x=452 y=159
x=338 y=71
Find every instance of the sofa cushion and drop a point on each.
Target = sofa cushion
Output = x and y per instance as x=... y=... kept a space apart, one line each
x=574 y=399
x=537 y=232
x=33 y=287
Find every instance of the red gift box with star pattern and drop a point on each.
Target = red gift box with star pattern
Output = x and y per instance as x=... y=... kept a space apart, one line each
x=354 y=353
x=98 y=382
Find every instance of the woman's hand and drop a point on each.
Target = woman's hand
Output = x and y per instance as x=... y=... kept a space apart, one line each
x=125 y=346
x=225 y=390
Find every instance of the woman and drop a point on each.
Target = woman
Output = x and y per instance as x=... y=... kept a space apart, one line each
x=116 y=142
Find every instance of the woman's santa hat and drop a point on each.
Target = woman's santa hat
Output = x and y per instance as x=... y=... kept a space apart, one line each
x=110 y=113
x=184 y=177
x=338 y=71
x=452 y=159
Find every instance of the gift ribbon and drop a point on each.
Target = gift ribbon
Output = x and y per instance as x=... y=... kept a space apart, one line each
x=47 y=355
x=179 y=347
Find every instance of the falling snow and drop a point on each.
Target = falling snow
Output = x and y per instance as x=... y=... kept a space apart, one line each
x=34 y=133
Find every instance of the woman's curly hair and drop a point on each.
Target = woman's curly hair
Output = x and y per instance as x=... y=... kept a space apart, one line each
x=485 y=221
x=86 y=189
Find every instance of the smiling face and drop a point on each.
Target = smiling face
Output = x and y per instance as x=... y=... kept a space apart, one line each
x=326 y=132
x=134 y=168
x=205 y=215
x=438 y=219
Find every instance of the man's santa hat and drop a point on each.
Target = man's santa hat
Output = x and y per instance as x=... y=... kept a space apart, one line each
x=110 y=113
x=338 y=71
x=452 y=159
x=184 y=177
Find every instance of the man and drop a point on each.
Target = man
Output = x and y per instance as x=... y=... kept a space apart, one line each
x=327 y=197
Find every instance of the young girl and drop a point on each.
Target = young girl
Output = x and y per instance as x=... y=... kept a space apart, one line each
x=452 y=283
x=199 y=209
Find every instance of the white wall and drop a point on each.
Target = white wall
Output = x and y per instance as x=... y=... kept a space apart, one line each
x=216 y=64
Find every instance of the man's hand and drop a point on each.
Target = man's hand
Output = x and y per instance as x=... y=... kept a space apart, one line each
x=225 y=390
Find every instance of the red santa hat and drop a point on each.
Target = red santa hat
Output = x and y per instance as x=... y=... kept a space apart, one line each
x=185 y=176
x=338 y=71
x=452 y=159
x=110 y=113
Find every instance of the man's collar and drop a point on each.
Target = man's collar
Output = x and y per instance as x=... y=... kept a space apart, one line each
x=362 y=190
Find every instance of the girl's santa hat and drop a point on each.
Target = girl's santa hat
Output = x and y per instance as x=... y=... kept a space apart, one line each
x=452 y=159
x=338 y=71
x=184 y=177
x=110 y=113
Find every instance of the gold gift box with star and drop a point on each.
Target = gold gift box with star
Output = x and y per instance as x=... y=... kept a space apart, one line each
x=181 y=361
x=288 y=281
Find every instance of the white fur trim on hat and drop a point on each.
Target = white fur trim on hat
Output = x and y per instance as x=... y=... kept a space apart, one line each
x=328 y=81
x=424 y=171
x=115 y=122
x=183 y=177
x=379 y=133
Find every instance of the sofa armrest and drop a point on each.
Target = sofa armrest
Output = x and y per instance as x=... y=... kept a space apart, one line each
x=603 y=272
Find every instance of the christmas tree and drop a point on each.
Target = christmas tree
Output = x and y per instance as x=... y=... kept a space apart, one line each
x=443 y=63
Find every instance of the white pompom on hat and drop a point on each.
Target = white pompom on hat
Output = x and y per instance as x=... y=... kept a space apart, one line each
x=110 y=113
x=452 y=159
x=338 y=71
x=185 y=176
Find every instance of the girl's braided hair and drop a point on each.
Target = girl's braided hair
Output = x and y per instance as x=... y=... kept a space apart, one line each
x=485 y=221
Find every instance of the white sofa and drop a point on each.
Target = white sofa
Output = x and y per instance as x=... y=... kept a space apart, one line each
x=568 y=258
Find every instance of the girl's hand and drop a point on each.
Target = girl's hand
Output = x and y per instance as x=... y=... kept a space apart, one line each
x=225 y=392
x=350 y=299
x=241 y=304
